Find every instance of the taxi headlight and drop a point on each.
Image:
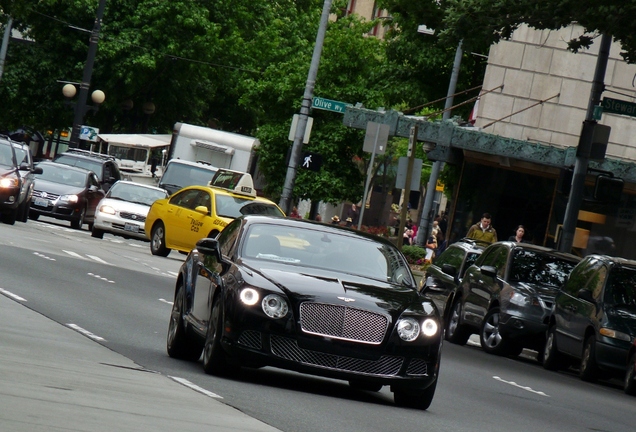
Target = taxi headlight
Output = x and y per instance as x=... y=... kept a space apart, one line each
x=69 y=198
x=408 y=329
x=107 y=209
x=249 y=296
x=274 y=306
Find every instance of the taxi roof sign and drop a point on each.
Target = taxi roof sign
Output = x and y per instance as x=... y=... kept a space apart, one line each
x=234 y=181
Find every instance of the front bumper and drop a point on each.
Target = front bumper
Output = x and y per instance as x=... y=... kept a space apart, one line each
x=9 y=199
x=56 y=209
x=123 y=224
x=612 y=353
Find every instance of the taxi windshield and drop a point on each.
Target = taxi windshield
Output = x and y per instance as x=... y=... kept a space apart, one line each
x=233 y=207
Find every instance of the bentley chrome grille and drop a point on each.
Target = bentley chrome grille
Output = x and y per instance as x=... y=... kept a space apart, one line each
x=288 y=349
x=343 y=322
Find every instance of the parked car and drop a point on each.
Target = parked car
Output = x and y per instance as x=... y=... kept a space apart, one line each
x=593 y=321
x=507 y=295
x=66 y=193
x=444 y=275
x=104 y=166
x=124 y=209
x=308 y=297
x=630 y=371
x=196 y=212
x=17 y=175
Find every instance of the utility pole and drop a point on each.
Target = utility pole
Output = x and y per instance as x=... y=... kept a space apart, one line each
x=425 y=220
x=583 y=150
x=294 y=159
x=407 y=185
x=5 y=45
x=80 y=106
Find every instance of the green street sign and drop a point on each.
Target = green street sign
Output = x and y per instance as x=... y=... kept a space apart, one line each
x=617 y=106
x=329 y=105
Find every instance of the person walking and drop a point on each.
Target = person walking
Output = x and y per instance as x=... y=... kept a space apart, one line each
x=519 y=233
x=483 y=230
x=354 y=214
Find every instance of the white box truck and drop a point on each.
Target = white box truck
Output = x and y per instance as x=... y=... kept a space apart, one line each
x=195 y=150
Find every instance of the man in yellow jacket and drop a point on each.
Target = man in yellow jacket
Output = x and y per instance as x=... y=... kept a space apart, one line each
x=483 y=230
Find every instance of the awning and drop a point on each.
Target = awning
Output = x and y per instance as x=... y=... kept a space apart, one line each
x=137 y=140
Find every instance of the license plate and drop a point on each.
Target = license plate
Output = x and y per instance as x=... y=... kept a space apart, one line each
x=41 y=202
x=131 y=227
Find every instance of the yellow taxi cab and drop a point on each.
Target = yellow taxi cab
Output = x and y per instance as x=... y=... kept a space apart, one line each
x=197 y=212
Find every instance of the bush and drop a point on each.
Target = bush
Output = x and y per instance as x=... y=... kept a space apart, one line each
x=414 y=254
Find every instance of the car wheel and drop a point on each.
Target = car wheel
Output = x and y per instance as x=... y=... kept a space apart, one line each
x=179 y=345
x=630 y=376
x=588 y=371
x=34 y=216
x=10 y=218
x=158 y=240
x=418 y=399
x=214 y=358
x=97 y=233
x=490 y=338
x=77 y=224
x=23 y=211
x=365 y=385
x=455 y=331
x=552 y=359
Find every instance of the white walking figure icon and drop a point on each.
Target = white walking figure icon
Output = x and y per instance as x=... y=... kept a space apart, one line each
x=307 y=161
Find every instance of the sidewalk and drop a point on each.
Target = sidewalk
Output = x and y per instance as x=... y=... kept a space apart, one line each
x=55 y=379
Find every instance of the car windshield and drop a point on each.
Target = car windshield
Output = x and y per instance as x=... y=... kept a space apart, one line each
x=621 y=288
x=6 y=155
x=233 y=207
x=135 y=193
x=540 y=268
x=59 y=174
x=341 y=253
x=87 y=164
x=187 y=175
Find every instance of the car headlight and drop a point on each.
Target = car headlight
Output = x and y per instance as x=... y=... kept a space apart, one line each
x=107 y=209
x=519 y=299
x=274 y=306
x=408 y=329
x=9 y=182
x=430 y=327
x=69 y=198
x=615 y=334
x=249 y=296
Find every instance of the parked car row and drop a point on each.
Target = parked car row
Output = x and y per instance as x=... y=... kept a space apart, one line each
x=573 y=311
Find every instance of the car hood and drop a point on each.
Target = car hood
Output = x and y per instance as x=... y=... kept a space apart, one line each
x=310 y=284
x=126 y=206
x=5 y=170
x=57 y=188
x=622 y=318
x=534 y=289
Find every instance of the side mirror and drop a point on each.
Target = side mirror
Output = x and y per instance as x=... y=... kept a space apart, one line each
x=449 y=270
x=93 y=188
x=209 y=246
x=202 y=209
x=24 y=167
x=585 y=295
x=37 y=170
x=489 y=271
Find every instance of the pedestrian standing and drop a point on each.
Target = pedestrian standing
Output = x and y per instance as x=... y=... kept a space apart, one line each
x=483 y=230
x=519 y=233
x=353 y=214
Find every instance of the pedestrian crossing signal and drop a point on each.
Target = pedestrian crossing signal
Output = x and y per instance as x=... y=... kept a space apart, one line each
x=311 y=161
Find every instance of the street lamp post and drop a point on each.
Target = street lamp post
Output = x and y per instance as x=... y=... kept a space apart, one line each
x=80 y=105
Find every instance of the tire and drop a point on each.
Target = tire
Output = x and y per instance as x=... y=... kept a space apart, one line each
x=10 y=217
x=630 y=376
x=23 y=211
x=77 y=224
x=456 y=332
x=214 y=359
x=552 y=359
x=489 y=336
x=588 y=371
x=34 y=216
x=97 y=233
x=418 y=399
x=179 y=345
x=365 y=385
x=158 y=240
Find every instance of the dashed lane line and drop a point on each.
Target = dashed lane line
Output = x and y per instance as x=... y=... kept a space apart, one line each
x=514 y=384
x=85 y=332
x=13 y=296
x=195 y=387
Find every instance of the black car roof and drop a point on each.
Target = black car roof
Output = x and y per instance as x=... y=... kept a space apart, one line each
x=620 y=261
x=470 y=244
x=85 y=154
x=538 y=248
x=64 y=166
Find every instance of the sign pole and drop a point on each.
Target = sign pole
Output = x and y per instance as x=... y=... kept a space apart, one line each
x=407 y=185
x=369 y=175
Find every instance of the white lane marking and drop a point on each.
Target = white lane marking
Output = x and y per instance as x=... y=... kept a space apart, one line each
x=173 y=273
x=512 y=383
x=73 y=254
x=13 y=296
x=85 y=332
x=96 y=258
x=165 y=301
x=43 y=256
x=100 y=277
x=195 y=387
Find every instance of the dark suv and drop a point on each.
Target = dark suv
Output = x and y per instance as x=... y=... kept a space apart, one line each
x=16 y=180
x=507 y=295
x=594 y=318
x=444 y=275
x=103 y=165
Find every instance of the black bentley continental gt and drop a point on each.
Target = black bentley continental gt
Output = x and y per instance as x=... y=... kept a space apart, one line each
x=308 y=297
